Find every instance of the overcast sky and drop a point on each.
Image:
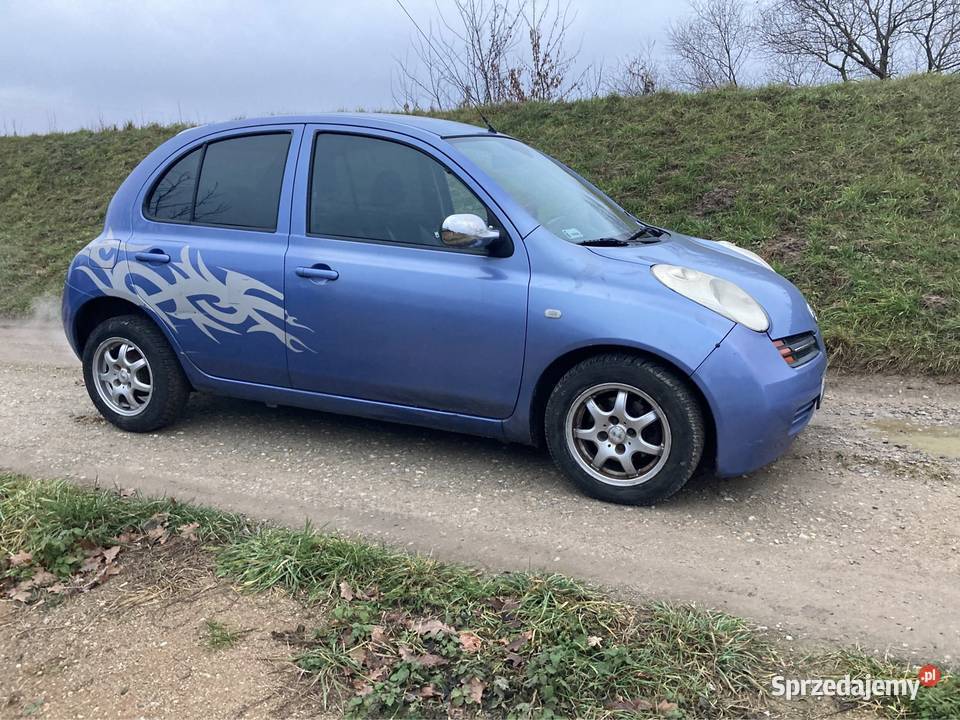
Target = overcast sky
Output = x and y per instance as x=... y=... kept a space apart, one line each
x=66 y=65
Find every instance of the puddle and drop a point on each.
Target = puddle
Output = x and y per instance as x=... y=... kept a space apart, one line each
x=940 y=440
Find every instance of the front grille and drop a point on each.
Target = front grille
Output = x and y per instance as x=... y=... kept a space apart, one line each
x=798 y=350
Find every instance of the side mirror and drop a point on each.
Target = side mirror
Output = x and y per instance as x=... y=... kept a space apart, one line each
x=467 y=230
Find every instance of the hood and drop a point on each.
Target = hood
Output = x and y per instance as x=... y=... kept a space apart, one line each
x=785 y=305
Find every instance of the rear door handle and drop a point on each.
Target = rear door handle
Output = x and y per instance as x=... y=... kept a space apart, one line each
x=318 y=272
x=153 y=256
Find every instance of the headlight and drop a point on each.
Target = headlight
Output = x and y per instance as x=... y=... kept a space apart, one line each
x=749 y=254
x=719 y=295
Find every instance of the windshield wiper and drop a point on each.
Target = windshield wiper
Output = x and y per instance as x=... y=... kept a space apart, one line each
x=604 y=242
x=646 y=231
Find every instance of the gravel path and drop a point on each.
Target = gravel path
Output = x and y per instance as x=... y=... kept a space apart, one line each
x=851 y=538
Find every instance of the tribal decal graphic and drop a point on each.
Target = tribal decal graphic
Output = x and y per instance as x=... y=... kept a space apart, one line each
x=240 y=303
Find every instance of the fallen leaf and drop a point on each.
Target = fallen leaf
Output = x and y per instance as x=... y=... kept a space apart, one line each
x=511 y=605
x=594 y=641
x=475 y=689
x=639 y=704
x=428 y=691
x=430 y=628
x=379 y=672
x=363 y=689
x=427 y=660
x=90 y=564
x=110 y=554
x=20 y=558
x=519 y=641
x=470 y=642
x=20 y=596
x=89 y=547
x=664 y=707
x=515 y=660
x=42 y=578
x=346 y=592
x=189 y=531
x=58 y=588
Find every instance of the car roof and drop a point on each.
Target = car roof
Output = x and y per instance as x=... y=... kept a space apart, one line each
x=434 y=126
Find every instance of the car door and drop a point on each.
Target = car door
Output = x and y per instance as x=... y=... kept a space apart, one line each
x=207 y=250
x=390 y=314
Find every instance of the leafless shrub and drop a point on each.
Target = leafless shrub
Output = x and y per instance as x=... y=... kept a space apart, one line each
x=637 y=74
x=713 y=45
x=487 y=52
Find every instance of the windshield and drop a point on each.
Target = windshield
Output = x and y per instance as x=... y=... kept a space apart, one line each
x=555 y=196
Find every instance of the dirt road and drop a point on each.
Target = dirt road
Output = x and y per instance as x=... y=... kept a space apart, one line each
x=851 y=538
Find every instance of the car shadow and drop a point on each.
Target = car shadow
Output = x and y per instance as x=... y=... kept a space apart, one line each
x=526 y=465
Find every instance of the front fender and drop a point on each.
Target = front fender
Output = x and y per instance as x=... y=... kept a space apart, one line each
x=603 y=302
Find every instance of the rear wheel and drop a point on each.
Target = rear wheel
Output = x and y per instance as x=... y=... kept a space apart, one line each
x=132 y=374
x=624 y=429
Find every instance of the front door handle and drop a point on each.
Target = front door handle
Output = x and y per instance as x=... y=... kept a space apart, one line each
x=153 y=256
x=318 y=272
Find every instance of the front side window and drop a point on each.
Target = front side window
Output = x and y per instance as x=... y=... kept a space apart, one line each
x=552 y=194
x=368 y=188
x=234 y=182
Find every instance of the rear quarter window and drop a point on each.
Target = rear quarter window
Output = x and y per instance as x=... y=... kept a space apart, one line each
x=235 y=182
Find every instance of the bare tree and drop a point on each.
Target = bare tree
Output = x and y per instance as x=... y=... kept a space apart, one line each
x=713 y=45
x=938 y=35
x=487 y=52
x=855 y=38
x=637 y=74
x=794 y=70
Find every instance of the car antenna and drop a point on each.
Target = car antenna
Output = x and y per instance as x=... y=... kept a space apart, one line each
x=490 y=127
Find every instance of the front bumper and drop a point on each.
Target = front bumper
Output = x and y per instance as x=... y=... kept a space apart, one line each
x=759 y=403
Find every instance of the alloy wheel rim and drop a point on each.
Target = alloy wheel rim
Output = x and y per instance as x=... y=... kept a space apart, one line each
x=618 y=434
x=122 y=376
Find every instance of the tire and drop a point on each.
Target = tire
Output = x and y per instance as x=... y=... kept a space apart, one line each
x=133 y=408
x=618 y=461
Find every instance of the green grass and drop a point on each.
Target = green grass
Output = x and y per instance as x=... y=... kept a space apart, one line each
x=575 y=653
x=405 y=635
x=56 y=522
x=853 y=192
x=217 y=636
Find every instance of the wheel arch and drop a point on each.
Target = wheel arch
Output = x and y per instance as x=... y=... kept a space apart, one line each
x=103 y=307
x=556 y=369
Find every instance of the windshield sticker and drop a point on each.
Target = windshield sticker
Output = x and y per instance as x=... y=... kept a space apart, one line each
x=572 y=233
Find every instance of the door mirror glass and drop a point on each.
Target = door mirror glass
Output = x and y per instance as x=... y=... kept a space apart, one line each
x=466 y=230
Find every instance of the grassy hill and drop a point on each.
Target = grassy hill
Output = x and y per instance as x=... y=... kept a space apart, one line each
x=852 y=191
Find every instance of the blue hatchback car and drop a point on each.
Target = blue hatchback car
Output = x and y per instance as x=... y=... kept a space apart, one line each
x=415 y=270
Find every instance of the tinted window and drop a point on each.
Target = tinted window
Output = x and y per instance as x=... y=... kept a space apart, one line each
x=172 y=198
x=239 y=184
x=381 y=190
x=240 y=181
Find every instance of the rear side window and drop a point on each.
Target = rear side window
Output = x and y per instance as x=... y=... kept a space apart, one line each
x=234 y=182
x=375 y=189
x=172 y=198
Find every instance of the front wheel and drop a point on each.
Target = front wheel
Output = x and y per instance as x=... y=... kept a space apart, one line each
x=625 y=429
x=133 y=375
